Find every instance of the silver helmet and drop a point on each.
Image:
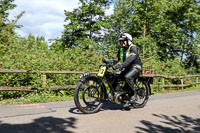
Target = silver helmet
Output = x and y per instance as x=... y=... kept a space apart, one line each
x=125 y=36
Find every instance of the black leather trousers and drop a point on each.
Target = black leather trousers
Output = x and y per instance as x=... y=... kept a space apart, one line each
x=129 y=77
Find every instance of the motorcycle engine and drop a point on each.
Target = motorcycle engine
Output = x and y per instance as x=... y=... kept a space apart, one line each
x=116 y=97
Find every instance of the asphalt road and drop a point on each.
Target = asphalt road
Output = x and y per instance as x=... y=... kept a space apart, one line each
x=165 y=113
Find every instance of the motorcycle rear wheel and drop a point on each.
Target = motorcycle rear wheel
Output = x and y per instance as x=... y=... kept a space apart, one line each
x=88 y=96
x=143 y=92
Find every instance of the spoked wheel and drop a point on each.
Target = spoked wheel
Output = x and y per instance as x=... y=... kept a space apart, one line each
x=88 y=96
x=142 y=90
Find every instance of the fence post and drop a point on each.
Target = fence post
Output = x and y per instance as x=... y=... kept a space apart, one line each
x=44 y=81
x=197 y=81
x=182 y=83
x=163 y=82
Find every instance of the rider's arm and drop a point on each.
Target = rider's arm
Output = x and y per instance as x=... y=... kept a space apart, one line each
x=133 y=55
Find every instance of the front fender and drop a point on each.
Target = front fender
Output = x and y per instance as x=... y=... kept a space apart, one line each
x=98 y=80
x=89 y=77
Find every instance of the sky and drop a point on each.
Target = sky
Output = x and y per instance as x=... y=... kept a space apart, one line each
x=43 y=17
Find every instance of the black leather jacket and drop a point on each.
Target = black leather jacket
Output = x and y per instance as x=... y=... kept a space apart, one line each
x=132 y=60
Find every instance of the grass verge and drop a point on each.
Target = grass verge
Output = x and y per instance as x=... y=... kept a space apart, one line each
x=39 y=97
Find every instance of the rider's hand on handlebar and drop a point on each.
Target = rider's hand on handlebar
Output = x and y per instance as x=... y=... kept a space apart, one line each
x=119 y=66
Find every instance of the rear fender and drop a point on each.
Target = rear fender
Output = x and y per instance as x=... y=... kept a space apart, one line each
x=149 y=81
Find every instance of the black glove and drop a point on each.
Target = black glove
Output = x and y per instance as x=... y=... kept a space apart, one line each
x=119 y=66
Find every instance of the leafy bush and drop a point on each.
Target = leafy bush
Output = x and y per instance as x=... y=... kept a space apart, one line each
x=33 y=54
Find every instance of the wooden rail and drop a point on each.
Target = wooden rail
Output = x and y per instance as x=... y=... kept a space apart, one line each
x=44 y=72
x=182 y=85
x=16 y=89
x=43 y=78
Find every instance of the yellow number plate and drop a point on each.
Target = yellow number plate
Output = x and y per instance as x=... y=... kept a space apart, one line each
x=101 y=71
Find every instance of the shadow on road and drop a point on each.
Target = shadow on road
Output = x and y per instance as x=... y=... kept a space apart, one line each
x=171 y=124
x=106 y=106
x=41 y=125
x=114 y=106
x=75 y=110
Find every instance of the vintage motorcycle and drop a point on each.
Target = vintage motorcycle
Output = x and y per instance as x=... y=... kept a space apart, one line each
x=91 y=92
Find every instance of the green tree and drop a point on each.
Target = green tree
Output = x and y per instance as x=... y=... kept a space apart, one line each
x=168 y=29
x=136 y=18
x=5 y=6
x=179 y=33
x=85 y=24
x=7 y=27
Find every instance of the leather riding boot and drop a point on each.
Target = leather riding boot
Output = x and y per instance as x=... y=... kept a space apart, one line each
x=131 y=85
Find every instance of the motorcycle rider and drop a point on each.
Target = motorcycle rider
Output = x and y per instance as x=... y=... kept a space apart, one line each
x=129 y=58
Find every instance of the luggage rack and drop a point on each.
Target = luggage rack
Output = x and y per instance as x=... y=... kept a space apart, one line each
x=147 y=73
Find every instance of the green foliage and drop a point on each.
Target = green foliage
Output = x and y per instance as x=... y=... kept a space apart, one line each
x=6 y=5
x=32 y=53
x=88 y=22
x=7 y=27
x=164 y=28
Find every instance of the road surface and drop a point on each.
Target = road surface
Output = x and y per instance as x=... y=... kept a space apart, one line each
x=164 y=113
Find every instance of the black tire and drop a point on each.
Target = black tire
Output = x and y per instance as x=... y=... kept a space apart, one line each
x=88 y=96
x=143 y=91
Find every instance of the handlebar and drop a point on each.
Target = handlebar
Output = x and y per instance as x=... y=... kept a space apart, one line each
x=108 y=63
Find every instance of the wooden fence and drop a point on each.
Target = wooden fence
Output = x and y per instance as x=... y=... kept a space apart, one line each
x=44 y=84
x=181 y=78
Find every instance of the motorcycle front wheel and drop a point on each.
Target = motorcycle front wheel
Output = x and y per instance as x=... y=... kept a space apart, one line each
x=88 y=96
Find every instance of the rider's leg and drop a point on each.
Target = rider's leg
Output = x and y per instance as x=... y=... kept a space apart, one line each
x=114 y=83
x=129 y=76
